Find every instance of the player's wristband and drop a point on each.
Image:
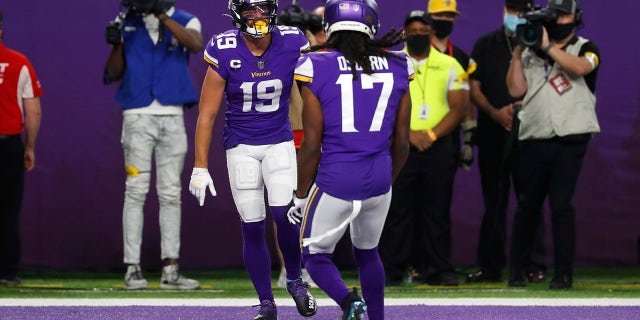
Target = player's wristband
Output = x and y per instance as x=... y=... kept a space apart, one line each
x=432 y=135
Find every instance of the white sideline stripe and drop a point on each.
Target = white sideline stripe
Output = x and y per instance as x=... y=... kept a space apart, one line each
x=556 y=302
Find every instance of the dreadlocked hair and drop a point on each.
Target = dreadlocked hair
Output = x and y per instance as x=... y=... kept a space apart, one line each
x=357 y=47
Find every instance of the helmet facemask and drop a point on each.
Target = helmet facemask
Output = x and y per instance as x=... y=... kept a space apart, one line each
x=255 y=19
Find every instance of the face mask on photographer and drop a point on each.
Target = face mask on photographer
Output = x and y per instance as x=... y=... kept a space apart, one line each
x=558 y=32
x=443 y=28
x=418 y=44
x=511 y=22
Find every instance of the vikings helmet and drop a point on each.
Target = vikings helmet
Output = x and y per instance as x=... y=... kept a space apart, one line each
x=259 y=29
x=351 y=15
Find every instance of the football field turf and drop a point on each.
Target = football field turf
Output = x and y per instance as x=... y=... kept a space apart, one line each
x=228 y=294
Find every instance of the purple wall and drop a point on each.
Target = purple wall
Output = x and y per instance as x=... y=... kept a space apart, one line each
x=73 y=199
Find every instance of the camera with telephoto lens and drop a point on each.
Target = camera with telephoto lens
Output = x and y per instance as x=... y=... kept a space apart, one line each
x=139 y=7
x=530 y=33
x=295 y=16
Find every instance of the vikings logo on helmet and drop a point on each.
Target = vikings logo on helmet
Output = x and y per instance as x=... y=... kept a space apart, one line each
x=256 y=10
x=351 y=15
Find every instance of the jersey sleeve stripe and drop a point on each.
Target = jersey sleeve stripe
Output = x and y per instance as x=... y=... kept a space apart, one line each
x=303 y=78
x=211 y=60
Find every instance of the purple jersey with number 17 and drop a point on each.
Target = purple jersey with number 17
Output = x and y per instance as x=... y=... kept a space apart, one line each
x=359 y=119
x=257 y=88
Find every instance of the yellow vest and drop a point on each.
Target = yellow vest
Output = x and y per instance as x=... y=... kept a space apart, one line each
x=434 y=79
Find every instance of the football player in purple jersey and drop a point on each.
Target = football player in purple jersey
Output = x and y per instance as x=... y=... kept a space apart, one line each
x=356 y=138
x=252 y=65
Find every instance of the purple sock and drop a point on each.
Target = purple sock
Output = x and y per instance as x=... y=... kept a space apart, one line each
x=256 y=258
x=325 y=274
x=289 y=241
x=371 y=274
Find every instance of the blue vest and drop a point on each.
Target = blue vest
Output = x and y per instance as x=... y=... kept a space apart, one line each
x=159 y=71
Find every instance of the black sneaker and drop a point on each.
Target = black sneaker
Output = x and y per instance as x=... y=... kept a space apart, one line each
x=447 y=279
x=267 y=311
x=353 y=307
x=561 y=282
x=305 y=303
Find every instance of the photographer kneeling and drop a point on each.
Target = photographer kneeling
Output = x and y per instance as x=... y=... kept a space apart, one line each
x=557 y=121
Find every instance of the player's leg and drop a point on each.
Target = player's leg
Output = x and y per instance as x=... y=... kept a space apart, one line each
x=366 y=230
x=280 y=175
x=245 y=179
x=324 y=223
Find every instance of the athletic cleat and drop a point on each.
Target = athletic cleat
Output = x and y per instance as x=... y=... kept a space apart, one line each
x=305 y=302
x=353 y=307
x=173 y=279
x=267 y=311
x=133 y=279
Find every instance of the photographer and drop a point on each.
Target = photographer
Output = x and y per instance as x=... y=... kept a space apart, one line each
x=496 y=141
x=557 y=121
x=150 y=45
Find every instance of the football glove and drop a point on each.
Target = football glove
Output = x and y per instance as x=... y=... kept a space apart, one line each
x=295 y=208
x=466 y=152
x=200 y=181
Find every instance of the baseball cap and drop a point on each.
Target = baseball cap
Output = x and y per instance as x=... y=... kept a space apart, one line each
x=436 y=6
x=524 y=5
x=568 y=6
x=418 y=15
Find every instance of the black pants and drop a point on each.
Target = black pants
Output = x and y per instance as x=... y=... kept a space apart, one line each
x=11 y=188
x=547 y=168
x=496 y=168
x=421 y=198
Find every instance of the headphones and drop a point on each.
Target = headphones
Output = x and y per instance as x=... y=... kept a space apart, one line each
x=577 y=13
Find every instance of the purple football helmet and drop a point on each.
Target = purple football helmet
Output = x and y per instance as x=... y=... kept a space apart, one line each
x=351 y=15
x=267 y=10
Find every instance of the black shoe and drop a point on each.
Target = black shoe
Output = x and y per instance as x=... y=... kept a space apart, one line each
x=484 y=276
x=447 y=279
x=536 y=276
x=353 y=307
x=561 y=282
x=305 y=302
x=517 y=281
x=10 y=281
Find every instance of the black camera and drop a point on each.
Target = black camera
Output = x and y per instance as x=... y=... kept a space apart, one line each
x=139 y=7
x=530 y=33
x=295 y=16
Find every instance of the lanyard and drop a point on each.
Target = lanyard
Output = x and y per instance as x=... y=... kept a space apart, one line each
x=449 y=47
x=422 y=85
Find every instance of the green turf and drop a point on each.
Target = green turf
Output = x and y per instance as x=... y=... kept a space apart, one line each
x=588 y=283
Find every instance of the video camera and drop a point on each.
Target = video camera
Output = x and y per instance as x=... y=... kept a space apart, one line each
x=530 y=33
x=295 y=16
x=139 y=7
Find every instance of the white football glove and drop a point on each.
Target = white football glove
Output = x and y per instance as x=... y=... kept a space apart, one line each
x=296 y=206
x=200 y=180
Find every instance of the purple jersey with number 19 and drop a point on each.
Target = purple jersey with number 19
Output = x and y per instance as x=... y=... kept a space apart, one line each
x=258 y=88
x=359 y=119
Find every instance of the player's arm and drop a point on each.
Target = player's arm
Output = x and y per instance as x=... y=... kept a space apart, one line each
x=33 y=116
x=210 y=100
x=309 y=153
x=400 y=144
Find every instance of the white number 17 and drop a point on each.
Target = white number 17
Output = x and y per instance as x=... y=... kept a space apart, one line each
x=346 y=88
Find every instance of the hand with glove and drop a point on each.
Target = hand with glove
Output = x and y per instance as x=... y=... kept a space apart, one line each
x=466 y=152
x=200 y=181
x=112 y=33
x=295 y=208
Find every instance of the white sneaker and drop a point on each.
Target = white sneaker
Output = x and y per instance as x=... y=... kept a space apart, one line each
x=172 y=279
x=282 y=279
x=307 y=278
x=133 y=279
